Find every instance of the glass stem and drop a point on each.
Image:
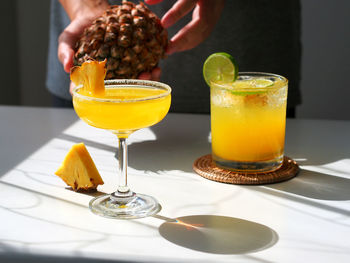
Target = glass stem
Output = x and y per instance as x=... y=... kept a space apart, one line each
x=123 y=166
x=123 y=193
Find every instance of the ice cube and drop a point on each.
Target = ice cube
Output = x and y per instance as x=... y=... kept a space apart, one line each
x=225 y=98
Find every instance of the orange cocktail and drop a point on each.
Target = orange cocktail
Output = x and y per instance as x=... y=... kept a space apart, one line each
x=248 y=122
x=123 y=109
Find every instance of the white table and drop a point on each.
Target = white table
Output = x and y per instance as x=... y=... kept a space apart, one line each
x=305 y=219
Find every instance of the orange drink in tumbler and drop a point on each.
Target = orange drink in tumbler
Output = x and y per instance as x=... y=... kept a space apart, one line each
x=248 y=122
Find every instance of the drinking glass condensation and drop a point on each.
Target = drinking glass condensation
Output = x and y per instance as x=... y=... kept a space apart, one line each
x=248 y=119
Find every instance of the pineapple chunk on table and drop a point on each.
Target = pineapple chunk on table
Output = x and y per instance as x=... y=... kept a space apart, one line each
x=78 y=170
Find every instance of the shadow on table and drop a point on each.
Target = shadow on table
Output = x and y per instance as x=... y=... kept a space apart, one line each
x=173 y=149
x=15 y=257
x=317 y=142
x=313 y=185
x=217 y=234
x=36 y=127
x=176 y=147
x=92 y=193
x=316 y=185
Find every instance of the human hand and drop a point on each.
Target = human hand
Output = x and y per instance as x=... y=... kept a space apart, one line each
x=67 y=40
x=153 y=75
x=82 y=13
x=205 y=14
x=70 y=35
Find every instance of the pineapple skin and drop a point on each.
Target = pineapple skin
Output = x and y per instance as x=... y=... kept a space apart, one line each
x=129 y=36
x=78 y=169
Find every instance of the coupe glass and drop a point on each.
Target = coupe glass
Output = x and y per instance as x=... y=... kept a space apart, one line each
x=128 y=105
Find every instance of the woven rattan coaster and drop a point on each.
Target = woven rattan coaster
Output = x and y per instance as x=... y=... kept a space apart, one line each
x=206 y=168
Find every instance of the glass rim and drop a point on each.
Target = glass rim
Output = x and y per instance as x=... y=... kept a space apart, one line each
x=126 y=82
x=252 y=74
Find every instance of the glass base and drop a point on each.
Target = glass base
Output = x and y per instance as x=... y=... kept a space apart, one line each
x=249 y=167
x=140 y=206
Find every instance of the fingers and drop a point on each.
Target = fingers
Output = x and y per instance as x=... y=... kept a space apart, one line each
x=71 y=87
x=154 y=75
x=153 y=2
x=178 y=10
x=145 y=76
x=188 y=37
x=65 y=50
x=67 y=40
x=205 y=16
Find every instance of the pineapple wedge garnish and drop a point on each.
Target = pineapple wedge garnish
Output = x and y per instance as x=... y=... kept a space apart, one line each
x=78 y=170
x=91 y=75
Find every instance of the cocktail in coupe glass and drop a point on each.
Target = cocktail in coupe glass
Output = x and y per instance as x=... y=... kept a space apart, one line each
x=248 y=122
x=124 y=107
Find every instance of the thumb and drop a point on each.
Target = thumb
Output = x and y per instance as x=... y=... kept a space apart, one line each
x=67 y=40
x=67 y=58
x=66 y=43
x=71 y=87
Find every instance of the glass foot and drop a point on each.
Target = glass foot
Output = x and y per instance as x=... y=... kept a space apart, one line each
x=139 y=206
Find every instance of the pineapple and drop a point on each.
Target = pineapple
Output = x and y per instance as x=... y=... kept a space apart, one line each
x=129 y=36
x=78 y=169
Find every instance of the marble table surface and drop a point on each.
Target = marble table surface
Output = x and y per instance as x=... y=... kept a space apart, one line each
x=305 y=219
